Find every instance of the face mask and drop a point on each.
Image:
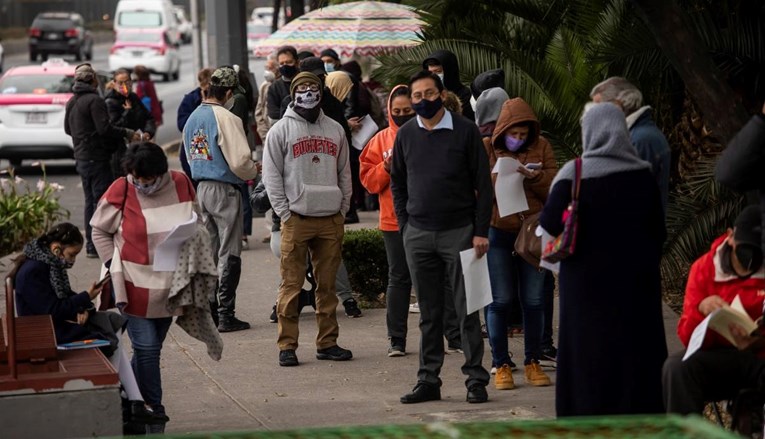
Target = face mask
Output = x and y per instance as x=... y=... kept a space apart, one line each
x=513 y=144
x=67 y=264
x=308 y=99
x=288 y=72
x=268 y=75
x=441 y=75
x=329 y=67
x=427 y=109
x=402 y=119
x=750 y=257
x=147 y=189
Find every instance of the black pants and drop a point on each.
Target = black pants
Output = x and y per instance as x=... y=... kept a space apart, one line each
x=96 y=178
x=707 y=376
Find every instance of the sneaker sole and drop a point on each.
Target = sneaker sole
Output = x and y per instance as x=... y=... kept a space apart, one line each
x=455 y=351
x=238 y=328
x=396 y=354
x=539 y=383
x=504 y=386
x=331 y=358
x=290 y=364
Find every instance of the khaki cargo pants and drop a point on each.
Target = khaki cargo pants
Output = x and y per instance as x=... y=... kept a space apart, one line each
x=323 y=236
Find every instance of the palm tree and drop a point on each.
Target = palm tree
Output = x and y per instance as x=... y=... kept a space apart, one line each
x=555 y=51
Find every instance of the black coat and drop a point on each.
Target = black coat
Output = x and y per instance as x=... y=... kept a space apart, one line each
x=452 y=82
x=741 y=164
x=277 y=92
x=87 y=121
x=137 y=118
x=612 y=345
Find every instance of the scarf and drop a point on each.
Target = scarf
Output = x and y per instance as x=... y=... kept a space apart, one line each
x=606 y=144
x=59 y=279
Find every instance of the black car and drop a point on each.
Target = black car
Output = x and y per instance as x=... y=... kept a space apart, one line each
x=59 y=33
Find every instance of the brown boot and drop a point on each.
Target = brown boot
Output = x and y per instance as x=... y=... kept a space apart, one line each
x=535 y=376
x=503 y=380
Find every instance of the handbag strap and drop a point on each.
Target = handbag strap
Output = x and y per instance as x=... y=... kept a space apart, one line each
x=577 y=179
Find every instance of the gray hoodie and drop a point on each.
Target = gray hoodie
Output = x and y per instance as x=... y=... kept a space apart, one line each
x=305 y=167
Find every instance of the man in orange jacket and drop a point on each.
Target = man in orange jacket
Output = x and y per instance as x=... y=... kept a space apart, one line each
x=733 y=267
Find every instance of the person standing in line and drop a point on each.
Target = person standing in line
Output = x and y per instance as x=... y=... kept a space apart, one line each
x=270 y=74
x=444 y=64
x=95 y=139
x=518 y=135
x=287 y=60
x=144 y=88
x=307 y=177
x=331 y=60
x=126 y=110
x=221 y=161
x=441 y=154
x=604 y=336
x=190 y=102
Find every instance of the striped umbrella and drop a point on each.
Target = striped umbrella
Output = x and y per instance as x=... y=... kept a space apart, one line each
x=363 y=28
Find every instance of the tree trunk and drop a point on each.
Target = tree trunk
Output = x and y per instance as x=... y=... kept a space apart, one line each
x=275 y=21
x=718 y=102
x=297 y=8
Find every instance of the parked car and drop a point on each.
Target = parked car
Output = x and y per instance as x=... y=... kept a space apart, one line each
x=265 y=15
x=184 y=25
x=158 y=15
x=32 y=105
x=151 y=48
x=256 y=31
x=61 y=33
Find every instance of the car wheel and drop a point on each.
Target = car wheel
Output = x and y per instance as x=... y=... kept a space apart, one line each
x=33 y=56
x=166 y=77
x=15 y=164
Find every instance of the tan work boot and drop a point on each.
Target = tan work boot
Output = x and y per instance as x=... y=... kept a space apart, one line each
x=503 y=380
x=535 y=376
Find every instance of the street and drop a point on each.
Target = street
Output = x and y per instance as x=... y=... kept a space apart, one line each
x=171 y=94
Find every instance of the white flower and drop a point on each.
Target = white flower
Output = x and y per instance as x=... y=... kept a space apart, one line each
x=41 y=185
x=4 y=183
x=18 y=180
x=35 y=164
x=57 y=187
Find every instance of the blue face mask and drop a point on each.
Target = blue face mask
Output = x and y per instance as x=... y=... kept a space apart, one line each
x=329 y=67
x=512 y=144
x=147 y=189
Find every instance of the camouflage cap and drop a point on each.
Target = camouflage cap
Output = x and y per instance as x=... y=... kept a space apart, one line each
x=224 y=77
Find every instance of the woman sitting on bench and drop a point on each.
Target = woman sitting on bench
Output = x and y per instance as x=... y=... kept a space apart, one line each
x=42 y=287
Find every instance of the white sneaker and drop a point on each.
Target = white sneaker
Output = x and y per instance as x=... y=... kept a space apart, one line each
x=414 y=307
x=494 y=370
x=245 y=244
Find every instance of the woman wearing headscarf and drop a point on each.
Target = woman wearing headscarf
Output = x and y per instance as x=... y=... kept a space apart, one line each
x=611 y=343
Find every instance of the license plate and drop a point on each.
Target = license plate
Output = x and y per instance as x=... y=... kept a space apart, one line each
x=37 y=118
x=138 y=54
x=52 y=36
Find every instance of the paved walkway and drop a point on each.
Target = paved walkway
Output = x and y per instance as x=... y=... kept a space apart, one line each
x=248 y=390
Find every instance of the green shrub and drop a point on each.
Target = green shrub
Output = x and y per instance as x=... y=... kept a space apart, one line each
x=25 y=213
x=364 y=257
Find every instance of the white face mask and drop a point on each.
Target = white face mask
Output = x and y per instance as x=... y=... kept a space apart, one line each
x=268 y=75
x=307 y=100
x=329 y=67
x=441 y=75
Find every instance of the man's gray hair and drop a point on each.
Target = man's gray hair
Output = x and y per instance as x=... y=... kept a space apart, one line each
x=619 y=89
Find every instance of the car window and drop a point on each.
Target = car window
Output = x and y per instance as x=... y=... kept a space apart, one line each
x=140 y=19
x=139 y=37
x=36 y=84
x=52 y=24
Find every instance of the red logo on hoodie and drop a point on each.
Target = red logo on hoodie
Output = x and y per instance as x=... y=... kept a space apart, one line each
x=314 y=145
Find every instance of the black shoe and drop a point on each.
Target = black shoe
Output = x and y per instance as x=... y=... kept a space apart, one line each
x=288 y=358
x=140 y=414
x=232 y=324
x=422 y=392
x=273 y=318
x=397 y=347
x=477 y=394
x=335 y=353
x=92 y=255
x=352 y=308
x=549 y=353
x=306 y=298
x=352 y=218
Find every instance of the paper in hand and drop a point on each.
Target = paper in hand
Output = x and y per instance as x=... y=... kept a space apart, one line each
x=367 y=130
x=169 y=250
x=508 y=189
x=476 y=274
x=697 y=338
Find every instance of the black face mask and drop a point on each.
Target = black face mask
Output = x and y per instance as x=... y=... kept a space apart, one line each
x=308 y=114
x=427 y=109
x=402 y=119
x=288 y=72
x=750 y=257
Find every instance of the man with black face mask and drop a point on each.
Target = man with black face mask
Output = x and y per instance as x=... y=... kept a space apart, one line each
x=287 y=59
x=732 y=268
x=308 y=179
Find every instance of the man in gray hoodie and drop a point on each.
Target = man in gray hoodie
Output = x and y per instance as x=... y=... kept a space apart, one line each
x=308 y=179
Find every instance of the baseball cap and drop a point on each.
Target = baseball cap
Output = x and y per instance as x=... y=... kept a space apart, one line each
x=747 y=233
x=224 y=77
x=313 y=65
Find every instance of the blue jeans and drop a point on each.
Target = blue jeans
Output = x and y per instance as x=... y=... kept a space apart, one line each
x=509 y=275
x=147 y=336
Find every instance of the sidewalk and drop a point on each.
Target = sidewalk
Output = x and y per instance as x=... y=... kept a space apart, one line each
x=247 y=389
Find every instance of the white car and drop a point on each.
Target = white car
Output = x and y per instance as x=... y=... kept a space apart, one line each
x=149 y=48
x=256 y=31
x=32 y=107
x=265 y=15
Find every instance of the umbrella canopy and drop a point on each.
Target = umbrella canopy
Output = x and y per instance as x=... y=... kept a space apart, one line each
x=364 y=28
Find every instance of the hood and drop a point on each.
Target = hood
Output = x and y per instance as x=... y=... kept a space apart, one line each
x=515 y=111
x=487 y=80
x=290 y=113
x=83 y=87
x=391 y=124
x=489 y=105
x=339 y=84
x=451 y=68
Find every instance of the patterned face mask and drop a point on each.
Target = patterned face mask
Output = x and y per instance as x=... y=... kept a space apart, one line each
x=308 y=99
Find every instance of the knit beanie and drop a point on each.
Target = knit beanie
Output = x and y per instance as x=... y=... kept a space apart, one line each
x=303 y=78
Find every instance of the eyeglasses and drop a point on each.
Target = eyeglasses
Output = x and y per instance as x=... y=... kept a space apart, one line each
x=427 y=95
x=302 y=88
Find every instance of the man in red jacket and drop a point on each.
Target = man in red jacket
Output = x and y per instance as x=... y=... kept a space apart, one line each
x=733 y=267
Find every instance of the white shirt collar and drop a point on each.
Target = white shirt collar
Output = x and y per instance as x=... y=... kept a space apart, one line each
x=632 y=118
x=446 y=122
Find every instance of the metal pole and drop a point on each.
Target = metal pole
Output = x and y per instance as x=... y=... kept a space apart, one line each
x=226 y=32
x=196 y=38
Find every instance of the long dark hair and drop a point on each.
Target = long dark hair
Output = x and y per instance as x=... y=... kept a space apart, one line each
x=67 y=234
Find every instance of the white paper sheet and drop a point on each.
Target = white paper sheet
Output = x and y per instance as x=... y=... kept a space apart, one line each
x=697 y=338
x=508 y=189
x=476 y=274
x=367 y=130
x=546 y=237
x=167 y=252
